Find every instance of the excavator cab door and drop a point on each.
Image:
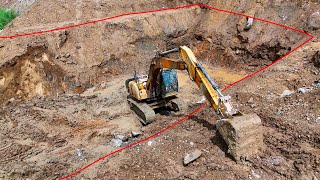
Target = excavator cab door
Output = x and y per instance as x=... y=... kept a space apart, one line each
x=169 y=83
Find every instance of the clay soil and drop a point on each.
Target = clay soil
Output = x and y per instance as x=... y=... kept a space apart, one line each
x=63 y=96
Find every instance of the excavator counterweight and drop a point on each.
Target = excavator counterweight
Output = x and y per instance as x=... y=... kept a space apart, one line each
x=242 y=133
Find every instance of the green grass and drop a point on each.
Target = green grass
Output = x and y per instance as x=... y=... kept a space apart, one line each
x=6 y=16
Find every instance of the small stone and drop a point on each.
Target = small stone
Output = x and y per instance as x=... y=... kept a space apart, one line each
x=136 y=133
x=80 y=154
x=317 y=84
x=210 y=40
x=255 y=174
x=203 y=99
x=302 y=90
x=286 y=93
x=318 y=120
x=250 y=100
x=191 y=143
x=190 y=157
x=150 y=143
x=116 y=142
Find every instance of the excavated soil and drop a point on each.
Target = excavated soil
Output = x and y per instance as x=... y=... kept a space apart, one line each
x=63 y=99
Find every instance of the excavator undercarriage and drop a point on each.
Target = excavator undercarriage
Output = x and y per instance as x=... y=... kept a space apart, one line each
x=242 y=133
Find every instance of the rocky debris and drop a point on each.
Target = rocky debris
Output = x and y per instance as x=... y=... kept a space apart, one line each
x=248 y=24
x=286 y=93
x=80 y=154
x=250 y=101
x=202 y=100
x=118 y=139
x=63 y=37
x=314 y=21
x=254 y=174
x=304 y=90
x=318 y=120
x=150 y=143
x=136 y=133
x=190 y=157
x=116 y=142
x=274 y=160
x=122 y=137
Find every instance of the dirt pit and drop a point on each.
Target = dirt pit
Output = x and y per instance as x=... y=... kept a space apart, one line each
x=63 y=99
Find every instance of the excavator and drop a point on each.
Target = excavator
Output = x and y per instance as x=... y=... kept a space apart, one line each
x=241 y=132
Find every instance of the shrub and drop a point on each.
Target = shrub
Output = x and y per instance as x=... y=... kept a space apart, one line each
x=6 y=16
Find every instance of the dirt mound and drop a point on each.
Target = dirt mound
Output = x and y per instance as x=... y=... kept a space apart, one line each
x=29 y=75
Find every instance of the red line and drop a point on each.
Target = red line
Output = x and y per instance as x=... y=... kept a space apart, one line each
x=155 y=11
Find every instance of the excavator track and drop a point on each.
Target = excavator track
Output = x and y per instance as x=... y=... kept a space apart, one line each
x=243 y=135
x=143 y=110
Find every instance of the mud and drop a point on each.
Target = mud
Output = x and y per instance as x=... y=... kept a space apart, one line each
x=63 y=93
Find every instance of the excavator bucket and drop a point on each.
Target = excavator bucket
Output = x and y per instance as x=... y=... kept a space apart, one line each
x=243 y=135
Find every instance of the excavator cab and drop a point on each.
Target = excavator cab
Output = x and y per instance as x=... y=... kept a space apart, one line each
x=169 y=83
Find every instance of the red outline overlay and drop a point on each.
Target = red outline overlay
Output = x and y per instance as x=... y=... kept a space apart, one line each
x=196 y=110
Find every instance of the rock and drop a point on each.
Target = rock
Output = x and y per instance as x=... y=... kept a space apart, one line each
x=190 y=157
x=210 y=40
x=286 y=93
x=250 y=100
x=136 y=133
x=150 y=143
x=191 y=143
x=314 y=21
x=302 y=90
x=317 y=84
x=203 y=99
x=257 y=176
x=63 y=37
x=80 y=154
x=116 y=142
x=318 y=120
x=121 y=137
x=249 y=24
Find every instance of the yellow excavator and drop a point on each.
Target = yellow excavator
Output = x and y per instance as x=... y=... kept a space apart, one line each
x=242 y=133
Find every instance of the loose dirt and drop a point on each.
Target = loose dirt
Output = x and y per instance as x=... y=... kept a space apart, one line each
x=63 y=97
